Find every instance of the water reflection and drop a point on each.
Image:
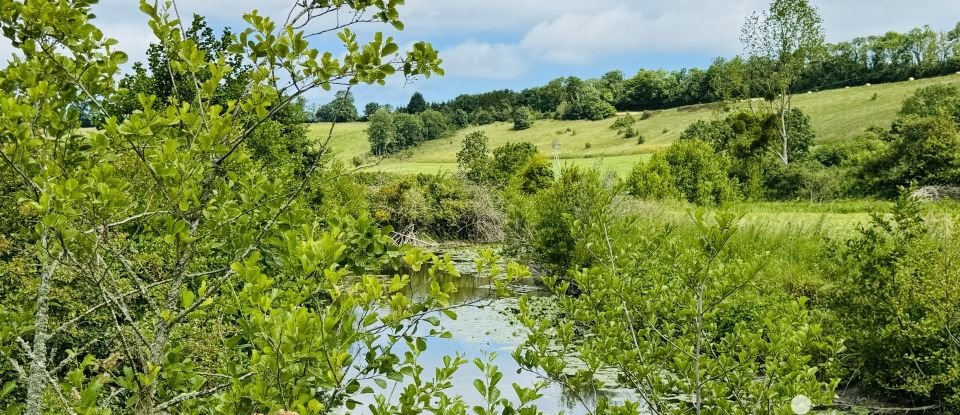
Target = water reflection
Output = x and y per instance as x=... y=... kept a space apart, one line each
x=488 y=326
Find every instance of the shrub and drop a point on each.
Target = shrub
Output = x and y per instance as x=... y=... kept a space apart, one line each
x=473 y=159
x=534 y=176
x=440 y=205
x=541 y=228
x=410 y=130
x=924 y=151
x=458 y=119
x=508 y=159
x=932 y=100
x=698 y=174
x=482 y=117
x=897 y=301
x=623 y=123
x=435 y=124
x=381 y=132
x=646 y=115
x=586 y=146
x=522 y=118
x=652 y=180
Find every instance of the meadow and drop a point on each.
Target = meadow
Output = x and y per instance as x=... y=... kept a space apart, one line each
x=836 y=115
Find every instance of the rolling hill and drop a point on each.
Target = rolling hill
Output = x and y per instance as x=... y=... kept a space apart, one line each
x=838 y=114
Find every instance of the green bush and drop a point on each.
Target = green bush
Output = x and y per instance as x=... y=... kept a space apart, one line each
x=410 y=130
x=439 y=205
x=482 y=117
x=522 y=118
x=435 y=125
x=473 y=159
x=540 y=228
x=690 y=169
x=932 y=100
x=508 y=159
x=652 y=180
x=923 y=151
x=382 y=133
x=534 y=176
x=897 y=299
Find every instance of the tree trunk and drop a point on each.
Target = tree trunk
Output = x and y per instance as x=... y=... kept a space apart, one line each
x=37 y=376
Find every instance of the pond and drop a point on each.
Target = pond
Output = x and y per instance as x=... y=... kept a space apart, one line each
x=489 y=326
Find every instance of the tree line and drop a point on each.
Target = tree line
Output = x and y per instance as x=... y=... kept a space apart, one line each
x=891 y=57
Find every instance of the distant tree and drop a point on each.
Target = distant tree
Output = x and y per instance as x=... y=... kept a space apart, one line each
x=410 y=130
x=581 y=101
x=473 y=159
x=341 y=109
x=417 y=104
x=482 y=117
x=458 y=119
x=522 y=118
x=370 y=109
x=785 y=37
x=381 y=132
x=435 y=124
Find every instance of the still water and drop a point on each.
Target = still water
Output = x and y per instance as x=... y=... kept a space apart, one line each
x=490 y=327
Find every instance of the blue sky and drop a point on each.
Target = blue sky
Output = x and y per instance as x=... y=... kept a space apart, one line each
x=496 y=44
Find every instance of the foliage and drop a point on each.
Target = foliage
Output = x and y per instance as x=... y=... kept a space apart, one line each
x=581 y=101
x=435 y=125
x=341 y=109
x=690 y=169
x=473 y=160
x=691 y=330
x=923 y=151
x=534 y=176
x=167 y=269
x=410 y=130
x=522 y=118
x=540 y=227
x=897 y=300
x=508 y=159
x=382 y=133
x=417 y=104
x=440 y=205
x=932 y=101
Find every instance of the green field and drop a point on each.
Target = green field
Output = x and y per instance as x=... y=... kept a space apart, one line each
x=838 y=114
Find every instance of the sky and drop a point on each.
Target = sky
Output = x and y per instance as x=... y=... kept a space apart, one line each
x=515 y=44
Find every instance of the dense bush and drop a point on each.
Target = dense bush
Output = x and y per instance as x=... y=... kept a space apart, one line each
x=534 y=176
x=435 y=125
x=439 y=205
x=540 y=228
x=690 y=169
x=897 y=299
x=923 y=151
x=522 y=118
x=473 y=159
x=932 y=100
x=410 y=130
x=686 y=318
x=382 y=132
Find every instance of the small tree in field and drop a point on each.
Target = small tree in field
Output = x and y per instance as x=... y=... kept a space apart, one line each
x=784 y=38
x=522 y=118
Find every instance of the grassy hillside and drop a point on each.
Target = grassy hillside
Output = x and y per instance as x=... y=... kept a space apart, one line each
x=836 y=115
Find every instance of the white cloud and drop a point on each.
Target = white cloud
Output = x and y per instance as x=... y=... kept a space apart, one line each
x=578 y=38
x=479 y=60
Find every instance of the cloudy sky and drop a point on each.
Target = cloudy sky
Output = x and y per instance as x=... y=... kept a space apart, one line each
x=495 y=44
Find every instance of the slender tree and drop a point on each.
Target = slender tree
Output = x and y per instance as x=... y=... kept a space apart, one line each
x=784 y=38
